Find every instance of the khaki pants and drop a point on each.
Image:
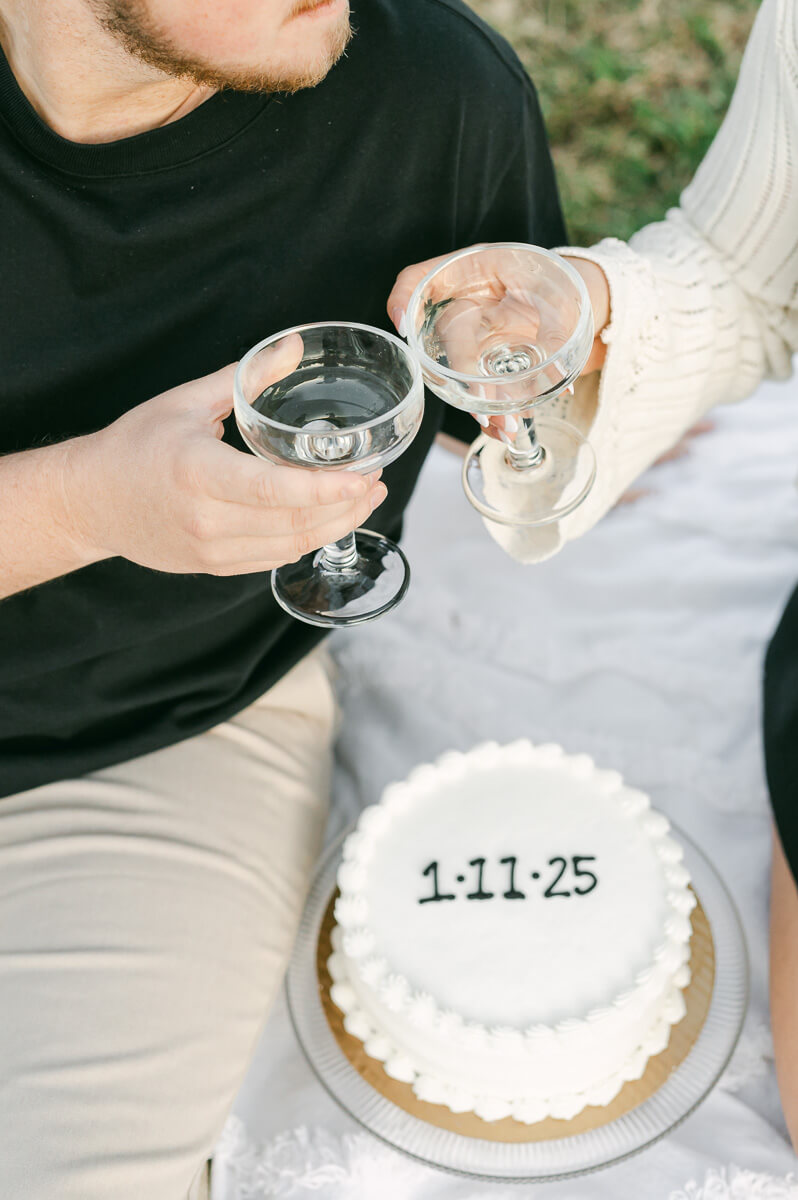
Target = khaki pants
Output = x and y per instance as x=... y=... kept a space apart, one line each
x=146 y=915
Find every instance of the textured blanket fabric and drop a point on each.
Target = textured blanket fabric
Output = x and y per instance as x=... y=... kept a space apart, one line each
x=641 y=644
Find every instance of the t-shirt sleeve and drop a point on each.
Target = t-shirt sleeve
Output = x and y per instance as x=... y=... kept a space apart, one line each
x=508 y=189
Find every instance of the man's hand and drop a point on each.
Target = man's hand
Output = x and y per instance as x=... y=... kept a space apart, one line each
x=160 y=488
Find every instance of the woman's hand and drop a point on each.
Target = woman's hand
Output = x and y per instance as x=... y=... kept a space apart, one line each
x=512 y=310
x=598 y=289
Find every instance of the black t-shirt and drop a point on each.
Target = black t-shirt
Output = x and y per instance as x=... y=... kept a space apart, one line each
x=134 y=266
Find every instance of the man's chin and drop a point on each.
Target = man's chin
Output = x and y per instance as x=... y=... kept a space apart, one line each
x=296 y=76
x=300 y=67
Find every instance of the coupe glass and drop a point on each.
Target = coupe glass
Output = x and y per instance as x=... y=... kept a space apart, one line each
x=500 y=329
x=333 y=396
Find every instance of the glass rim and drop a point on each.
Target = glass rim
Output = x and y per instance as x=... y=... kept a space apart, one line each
x=416 y=384
x=585 y=316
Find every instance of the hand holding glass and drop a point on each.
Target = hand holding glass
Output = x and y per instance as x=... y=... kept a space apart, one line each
x=501 y=329
x=333 y=396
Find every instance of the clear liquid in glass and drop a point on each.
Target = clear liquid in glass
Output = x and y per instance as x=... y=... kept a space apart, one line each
x=325 y=411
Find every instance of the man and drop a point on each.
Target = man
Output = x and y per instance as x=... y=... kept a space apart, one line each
x=173 y=189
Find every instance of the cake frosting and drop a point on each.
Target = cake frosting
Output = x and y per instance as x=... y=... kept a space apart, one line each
x=512 y=932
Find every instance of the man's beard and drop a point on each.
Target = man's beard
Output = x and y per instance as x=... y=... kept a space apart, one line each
x=129 y=24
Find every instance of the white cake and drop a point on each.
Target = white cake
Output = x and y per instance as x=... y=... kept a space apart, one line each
x=512 y=932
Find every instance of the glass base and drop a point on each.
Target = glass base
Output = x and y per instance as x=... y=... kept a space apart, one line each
x=536 y=495
x=318 y=595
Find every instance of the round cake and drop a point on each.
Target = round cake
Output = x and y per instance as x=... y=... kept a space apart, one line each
x=512 y=932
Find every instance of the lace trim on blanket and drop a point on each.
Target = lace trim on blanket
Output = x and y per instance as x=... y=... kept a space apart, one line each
x=733 y=1184
x=357 y=1167
x=352 y=1167
x=296 y=1159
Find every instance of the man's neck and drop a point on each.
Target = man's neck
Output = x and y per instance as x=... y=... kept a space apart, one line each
x=80 y=80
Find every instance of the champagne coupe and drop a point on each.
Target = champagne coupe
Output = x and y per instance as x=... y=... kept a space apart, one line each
x=333 y=396
x=500 y=329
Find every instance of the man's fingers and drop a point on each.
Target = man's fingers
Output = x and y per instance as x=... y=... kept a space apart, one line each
x=245 y=479
x=236 y=553
x=248 y=568
x=210 y=397
x=272 y=364
x=333 y=531
x=257 y=521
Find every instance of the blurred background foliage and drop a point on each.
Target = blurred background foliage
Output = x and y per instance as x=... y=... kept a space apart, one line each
x=632 y=91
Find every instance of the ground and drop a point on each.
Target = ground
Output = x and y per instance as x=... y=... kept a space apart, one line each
x=632 y=91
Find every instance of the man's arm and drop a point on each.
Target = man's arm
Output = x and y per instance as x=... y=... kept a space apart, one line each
x=160 y=488
x=37 y=539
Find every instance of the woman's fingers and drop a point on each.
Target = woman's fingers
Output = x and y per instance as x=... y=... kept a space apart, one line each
x=517 y=317
x=596 y=357
x=406 y=283
x=502 y=428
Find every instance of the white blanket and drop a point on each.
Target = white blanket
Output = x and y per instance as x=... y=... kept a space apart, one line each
x=642 y=645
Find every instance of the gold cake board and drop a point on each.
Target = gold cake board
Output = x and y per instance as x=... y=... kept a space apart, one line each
x=697 y=996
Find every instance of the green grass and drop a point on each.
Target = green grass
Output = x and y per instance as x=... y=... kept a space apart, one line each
x=632 y=91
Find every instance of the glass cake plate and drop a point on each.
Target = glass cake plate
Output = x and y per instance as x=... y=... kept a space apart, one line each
x=528 y=1161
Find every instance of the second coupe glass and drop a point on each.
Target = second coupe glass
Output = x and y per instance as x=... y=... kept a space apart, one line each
x=500 y=329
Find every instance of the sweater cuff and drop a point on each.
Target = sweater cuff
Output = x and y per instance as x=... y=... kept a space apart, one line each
x=604 y=407
x=626 y=433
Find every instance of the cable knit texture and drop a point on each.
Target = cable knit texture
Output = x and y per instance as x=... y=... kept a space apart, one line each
x=704 y=303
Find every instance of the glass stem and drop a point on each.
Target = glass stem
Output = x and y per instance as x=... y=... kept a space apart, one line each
x=339 y=556
x=526 y=451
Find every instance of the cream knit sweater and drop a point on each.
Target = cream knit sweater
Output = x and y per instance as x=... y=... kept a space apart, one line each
x=704 y=303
